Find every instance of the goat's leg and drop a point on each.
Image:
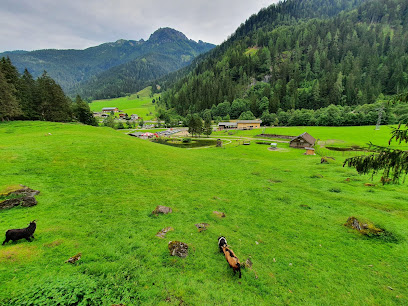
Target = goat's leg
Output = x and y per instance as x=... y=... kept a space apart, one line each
x=28 y=239
x=5 y=241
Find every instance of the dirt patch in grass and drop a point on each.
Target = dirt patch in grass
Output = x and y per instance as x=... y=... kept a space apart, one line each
x=54 y=243
x=20 y=253
x=9 y=189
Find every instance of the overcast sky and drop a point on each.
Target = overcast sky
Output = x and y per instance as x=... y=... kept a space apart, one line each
x=78 y=24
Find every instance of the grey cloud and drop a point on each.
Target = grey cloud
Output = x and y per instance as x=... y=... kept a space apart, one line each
x=30 y=25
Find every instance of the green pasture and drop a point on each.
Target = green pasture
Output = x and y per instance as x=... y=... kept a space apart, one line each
x=284 y=211
x=141 y=106
x=345 y=136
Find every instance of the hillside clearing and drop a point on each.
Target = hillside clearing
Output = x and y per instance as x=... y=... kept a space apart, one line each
x=139 y=103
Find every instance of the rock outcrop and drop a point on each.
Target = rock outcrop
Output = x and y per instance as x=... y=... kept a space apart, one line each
x=219 y=214
x=23 y=196
x=178 y=248
x=162 y=210
x=163 y=232
x=201 y=226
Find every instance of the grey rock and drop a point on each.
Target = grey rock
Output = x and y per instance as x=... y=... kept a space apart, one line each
x=178 y=248
x=162 y=210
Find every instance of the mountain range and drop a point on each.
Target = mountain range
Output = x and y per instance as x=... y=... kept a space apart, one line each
x=112 y=69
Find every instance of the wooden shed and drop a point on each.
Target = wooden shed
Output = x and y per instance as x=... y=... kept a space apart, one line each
x=310 y=151
x=303 y=141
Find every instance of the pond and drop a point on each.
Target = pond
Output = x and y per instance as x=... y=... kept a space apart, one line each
x=195 y=143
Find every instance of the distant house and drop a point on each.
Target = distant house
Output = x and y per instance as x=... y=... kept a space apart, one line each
x=134 y=117
x=248 y=124
x=122 y=115
x=227 y=125
x=304 y=140
x=110 y=109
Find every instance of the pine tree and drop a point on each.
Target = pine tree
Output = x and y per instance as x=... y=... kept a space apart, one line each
x=392 y=162
x=9 y=108
x=55 y=106
x=29 y=100
x=83 y=113
x=207 y=126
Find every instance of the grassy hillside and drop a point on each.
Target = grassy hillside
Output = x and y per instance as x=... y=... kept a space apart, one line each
x=283 y=210
x=130 y=104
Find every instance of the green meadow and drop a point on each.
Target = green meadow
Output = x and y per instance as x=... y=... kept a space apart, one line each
x=344 y=136
x=141 y=106
x=284 y=211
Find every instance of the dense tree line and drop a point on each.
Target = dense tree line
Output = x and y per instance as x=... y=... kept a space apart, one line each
x=349 y=59
x=338 y=115
x=23 y=98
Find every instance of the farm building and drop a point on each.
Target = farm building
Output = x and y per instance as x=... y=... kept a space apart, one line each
x=310 y=151
x=134 y=117
x=240 y=125
x=110 y=109
x=227 y=125
x=304 y=140
x=248 y=124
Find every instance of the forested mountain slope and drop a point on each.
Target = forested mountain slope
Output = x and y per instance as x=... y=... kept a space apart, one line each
x=292 y=56
x=170 y=51
x=71 y=67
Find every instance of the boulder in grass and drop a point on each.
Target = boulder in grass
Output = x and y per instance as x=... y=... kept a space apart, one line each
x=24 y=191
x=248 y=263
x=27 y=201
x=163 y=232
x=365 y=228
x=201 y=226
x=178 y=248
x=74 y=259
x=18 y=196
x=162 y=210
x=219 y=214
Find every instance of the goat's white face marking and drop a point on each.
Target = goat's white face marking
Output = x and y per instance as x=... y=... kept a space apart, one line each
x=219 y=240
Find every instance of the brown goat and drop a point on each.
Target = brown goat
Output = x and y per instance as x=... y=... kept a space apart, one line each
x=232 y=260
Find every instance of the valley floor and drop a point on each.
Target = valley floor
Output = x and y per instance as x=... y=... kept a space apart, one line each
x=284 y=211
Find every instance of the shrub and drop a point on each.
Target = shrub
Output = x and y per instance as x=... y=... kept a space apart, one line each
x=186 y=140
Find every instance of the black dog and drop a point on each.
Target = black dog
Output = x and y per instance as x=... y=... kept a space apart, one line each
x=21 y=233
